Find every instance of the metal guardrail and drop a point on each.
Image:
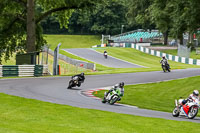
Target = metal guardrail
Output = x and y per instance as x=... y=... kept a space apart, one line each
x=74 y=62
x=26 y=70
x=23 y=70
x=10 y=70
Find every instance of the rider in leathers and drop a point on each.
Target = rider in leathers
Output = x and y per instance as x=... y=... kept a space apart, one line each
x=164 y=61
x=81 y=78
x=194 y=95
x=117 y=86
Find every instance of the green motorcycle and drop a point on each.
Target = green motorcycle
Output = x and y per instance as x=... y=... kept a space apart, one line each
x=112 y=96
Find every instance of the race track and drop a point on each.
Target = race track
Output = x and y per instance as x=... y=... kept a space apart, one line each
x=54 y=89
x=97 y=57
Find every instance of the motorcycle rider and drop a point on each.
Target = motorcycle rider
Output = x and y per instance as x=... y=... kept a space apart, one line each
x=81 y=78
x=164 y=61
x=194 y=95
x=117 y=86
x=105 y=54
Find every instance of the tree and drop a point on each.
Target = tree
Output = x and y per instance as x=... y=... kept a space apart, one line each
x=138 y=13
x=185 y=17
x=160 y=12
x=20 y=23
x=106 y=18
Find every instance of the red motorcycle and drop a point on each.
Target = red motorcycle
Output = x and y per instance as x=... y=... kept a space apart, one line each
x=190 y=109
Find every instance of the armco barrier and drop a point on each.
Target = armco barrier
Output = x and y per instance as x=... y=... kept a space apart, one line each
x=45 y=70
x=26 y=70
x=10 y=70
x=23 y=70
x=38 y=71
x=157 y=53
x=75 y=62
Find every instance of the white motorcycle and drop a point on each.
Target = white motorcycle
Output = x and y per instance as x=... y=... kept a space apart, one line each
x=190 y=109
x=111 y=97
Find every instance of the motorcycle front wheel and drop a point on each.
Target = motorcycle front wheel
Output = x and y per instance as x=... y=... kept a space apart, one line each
x=192 y=112
x=104 y=100
x=164 y=69
x=113 y=99
x=70 y=84
x=175 y=112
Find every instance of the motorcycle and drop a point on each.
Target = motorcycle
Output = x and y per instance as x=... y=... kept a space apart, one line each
x=165 y=67
x=74 y=82
x=190 y=109
x=105 y=55
x=112 y=97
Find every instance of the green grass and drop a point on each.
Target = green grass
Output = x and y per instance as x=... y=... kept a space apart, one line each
x=158 y=96
x=193 y=54
x=130 y=55
x=137 y=57
x=20 y=115
x=72 y=41
x=66 y=68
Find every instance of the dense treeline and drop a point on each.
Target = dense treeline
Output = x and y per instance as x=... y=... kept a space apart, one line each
x=106 y=18
x=23 y=22
x=171 y=17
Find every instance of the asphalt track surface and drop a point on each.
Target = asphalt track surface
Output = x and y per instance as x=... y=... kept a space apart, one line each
x=54 y=90
x=97 y=57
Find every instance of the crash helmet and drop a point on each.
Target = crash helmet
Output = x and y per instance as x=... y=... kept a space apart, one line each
x=121 y=85
x=82 y=74
x=116 y=86
x=163 y=57
x=196 y=93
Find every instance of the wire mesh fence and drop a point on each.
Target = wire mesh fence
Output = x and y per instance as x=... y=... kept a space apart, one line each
x=67 y=65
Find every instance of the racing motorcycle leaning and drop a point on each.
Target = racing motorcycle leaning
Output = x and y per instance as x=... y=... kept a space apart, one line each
x=105 y=54
x=112 y=97
x=74 y=82
x=165 y=67
x=190 y=109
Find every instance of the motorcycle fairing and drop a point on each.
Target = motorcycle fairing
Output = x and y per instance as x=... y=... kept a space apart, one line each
x=185 y=109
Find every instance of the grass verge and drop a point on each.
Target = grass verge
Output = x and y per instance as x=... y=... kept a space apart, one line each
x=140 y=58
x=133 y=56
x=20 y=115
x=158 y=96
x=72 y=41
x=193 y=54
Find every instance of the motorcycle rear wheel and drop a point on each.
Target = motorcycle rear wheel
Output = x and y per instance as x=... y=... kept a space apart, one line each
x=192 y=112
x=175 y=112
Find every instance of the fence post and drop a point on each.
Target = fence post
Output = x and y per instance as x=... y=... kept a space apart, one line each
x=55 y=62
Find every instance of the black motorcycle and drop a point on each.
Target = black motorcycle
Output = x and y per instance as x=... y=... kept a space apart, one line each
x=165 y=67
x=105 y=54
x=75 y=81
